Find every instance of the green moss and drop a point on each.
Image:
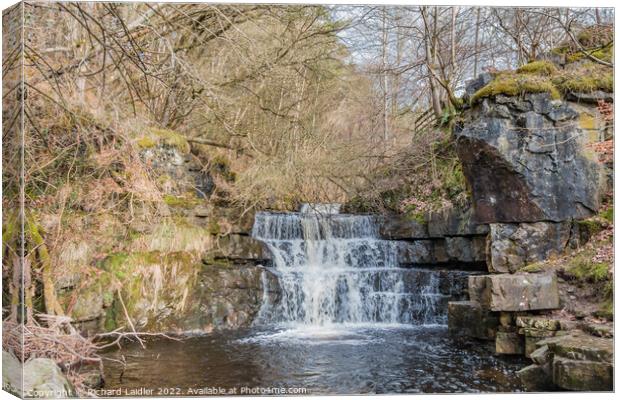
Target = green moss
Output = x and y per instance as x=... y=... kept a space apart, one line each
x=145 y=142
x=172 y=138
x=513 y=84
x=9 y=228
x=608 y=215
x=157 y=136
x=213 y=227
x=605 y=310
x=538 y=67
x=601 y=53
x=586 y=78
x=419 y=217
x=212 y=261
x=149 y=281
x=189 y=200
x=584 y=269
x=534 y=267
x=591 y=226
x=560 y=50
x=454 y=181
x=111 y=316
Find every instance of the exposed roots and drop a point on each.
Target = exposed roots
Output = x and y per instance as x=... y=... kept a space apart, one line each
x=77 y=356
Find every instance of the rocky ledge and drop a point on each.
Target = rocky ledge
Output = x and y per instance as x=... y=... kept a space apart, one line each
x=572 y=361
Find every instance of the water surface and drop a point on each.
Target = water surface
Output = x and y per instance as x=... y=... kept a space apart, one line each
x=342 y=359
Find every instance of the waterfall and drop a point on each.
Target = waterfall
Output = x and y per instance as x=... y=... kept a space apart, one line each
x=334 y=269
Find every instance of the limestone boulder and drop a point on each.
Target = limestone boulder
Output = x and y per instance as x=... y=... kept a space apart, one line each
x=44 y=379
x=577 y=361
x=468 y=319
x=509 y=343
x=535 y=379
x=517 y=292
x=582 y=347
x=582 y=375
x=512 y=246
x=12 y=374
x=525 y=160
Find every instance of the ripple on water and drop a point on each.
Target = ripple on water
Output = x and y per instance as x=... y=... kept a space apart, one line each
x=330 y=360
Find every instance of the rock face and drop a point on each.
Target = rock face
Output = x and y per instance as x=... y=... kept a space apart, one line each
x=525 y=161
x=446 y=236
x=453 y=221
x=186 y=294
x=395 y=227
x=512 y=246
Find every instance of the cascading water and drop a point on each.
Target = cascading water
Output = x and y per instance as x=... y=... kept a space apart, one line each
x=334 y=269
x=338 y=320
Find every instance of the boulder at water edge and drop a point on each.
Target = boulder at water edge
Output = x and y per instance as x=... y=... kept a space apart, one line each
x=38 y=377
x=515 y=292
x=576 y=361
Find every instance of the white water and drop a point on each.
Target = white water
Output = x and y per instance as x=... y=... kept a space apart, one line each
x=333 y=270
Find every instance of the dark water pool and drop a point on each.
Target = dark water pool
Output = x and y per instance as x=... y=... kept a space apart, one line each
x=340 y=360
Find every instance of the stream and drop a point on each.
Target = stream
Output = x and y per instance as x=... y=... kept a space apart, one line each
x=339 y=360
x=348 y=320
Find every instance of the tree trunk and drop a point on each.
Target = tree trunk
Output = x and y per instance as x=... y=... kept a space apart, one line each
x=384 y=61
x=476 y=42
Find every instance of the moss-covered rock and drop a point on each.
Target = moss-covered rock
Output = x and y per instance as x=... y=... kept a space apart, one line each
x=166 y=137
x=177 y=291
x=517 y=84
x=541 y=67
x=586 y=78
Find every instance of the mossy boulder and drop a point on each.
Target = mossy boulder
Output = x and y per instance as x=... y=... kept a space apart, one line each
x=579 y=76
x=165 y=137
x=152 y=286
x=517 y=84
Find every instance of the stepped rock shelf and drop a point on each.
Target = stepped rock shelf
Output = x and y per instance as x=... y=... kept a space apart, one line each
x=531 y=178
